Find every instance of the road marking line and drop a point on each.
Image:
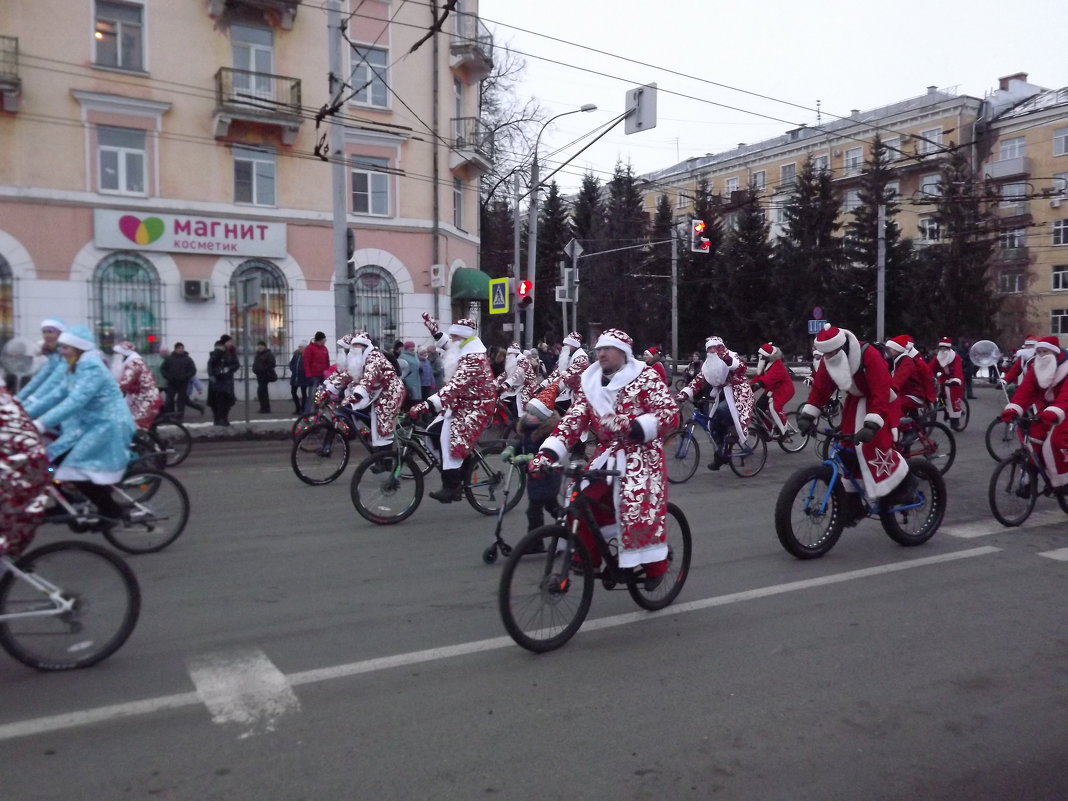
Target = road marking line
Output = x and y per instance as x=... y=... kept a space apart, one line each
x=243 y=687
x=1060 y=554
x=70 y=720
x=983 y=528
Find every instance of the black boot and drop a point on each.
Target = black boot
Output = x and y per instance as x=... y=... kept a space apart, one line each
x=451 y=487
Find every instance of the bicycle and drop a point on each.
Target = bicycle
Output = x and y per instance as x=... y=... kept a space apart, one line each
x=1014 y=489
x=387 y=486
x=812 y=509
x=165 y=443
x=501 y=425
x=320 y=452
x=791 y=440
x=66 y=605
x=682 y=453
x=939 y=408
x=1001 y=440
x=931 y=440
x=155 y=510
x=546 y=586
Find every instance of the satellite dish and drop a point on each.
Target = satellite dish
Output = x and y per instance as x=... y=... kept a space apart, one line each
x=17 y=357
x=984 y=353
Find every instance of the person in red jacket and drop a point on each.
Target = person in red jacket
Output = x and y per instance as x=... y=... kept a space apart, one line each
x=316 y=362
x=907 y=381
x=1045 y=385
x=1020 y=362
x=773 y=377
x=948 y=370
x=652 y=358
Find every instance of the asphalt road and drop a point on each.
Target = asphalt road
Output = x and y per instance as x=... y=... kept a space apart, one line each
x=287 y=649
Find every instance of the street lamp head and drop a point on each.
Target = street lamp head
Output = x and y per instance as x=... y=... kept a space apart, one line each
x=588 y=107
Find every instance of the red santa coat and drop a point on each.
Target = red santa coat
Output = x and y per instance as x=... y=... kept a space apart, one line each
x=635 y=392
x=24 y=477
x=1054 y=398
x=465 y=403
x=382 y=389
x=1019 y=365
x=908 y=383
x=570 y=377
x=950 y=377
x=142 y=395
x=867 y=399
x=924 y=377
x=717 y=375
x=778 y=384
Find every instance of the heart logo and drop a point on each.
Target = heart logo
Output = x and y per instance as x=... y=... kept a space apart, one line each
x=141 y=232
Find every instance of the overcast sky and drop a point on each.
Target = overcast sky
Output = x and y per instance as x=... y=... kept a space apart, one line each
x=846 y=55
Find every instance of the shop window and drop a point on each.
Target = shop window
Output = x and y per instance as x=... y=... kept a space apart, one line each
x=127 y=302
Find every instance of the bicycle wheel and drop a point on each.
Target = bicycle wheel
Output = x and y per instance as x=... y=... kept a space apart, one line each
x=155 y=509
x=1001 y=439
x=484 y=484
x=682 y=455
x=304 y=422
x=148 y=452
x=748 y=458
x=793 y=440
x=382 y=496
x=808 y=519
x=175 y=440
x=678 y=542
x=320 y=454
x=543 y=599
x=1013 y=490
x=104 y=603
x=934 y=442
x=918 y=522
x=832 y=413
x=965 y=414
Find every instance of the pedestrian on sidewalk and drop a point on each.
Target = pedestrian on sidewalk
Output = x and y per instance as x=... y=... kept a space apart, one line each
x=178 y=370
x=263 y=367
x=298 y=386
x=222 y=364
x=316 y=361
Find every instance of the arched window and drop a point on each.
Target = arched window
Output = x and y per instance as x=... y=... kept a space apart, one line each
x=127 y=302
x=376 y=304
x=7 y=302
x=268 y=321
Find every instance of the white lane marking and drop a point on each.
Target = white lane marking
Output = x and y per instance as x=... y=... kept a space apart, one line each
x=243 y=687
x=985 y=527
x=1060 y=554
x=28 y=728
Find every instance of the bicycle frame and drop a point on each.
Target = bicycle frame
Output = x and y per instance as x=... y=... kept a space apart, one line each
x=840 y=471
x=42 y=585
x=1027 y=448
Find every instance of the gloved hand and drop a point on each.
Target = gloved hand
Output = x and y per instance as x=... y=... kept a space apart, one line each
x=636 y=433
x=1002 y=383
x=1008 y=415
x=418 y=410
x=805 y=422
x=757 y=385
x=542 y=463
x=807 y=380
x=1041 y=427
x=507 y=454
x=431 y=324
x=866 y=433
x=682 y=397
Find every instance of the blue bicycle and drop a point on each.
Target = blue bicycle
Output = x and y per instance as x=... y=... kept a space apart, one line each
x=814 y=505
x=682 y=452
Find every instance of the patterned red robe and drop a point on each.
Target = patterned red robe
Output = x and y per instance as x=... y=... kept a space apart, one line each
x=522 y=382
x=138 y=385
x=634 y=393
x=383 y=390
x=466 y=402
x=717 y=375
x=23 y=477
x=571 y=377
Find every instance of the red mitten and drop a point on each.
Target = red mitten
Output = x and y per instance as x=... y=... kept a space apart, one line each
x=1008 y=416
x=417 y=411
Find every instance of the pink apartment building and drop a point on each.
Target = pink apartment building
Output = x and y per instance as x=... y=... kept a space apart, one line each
x=155 y=153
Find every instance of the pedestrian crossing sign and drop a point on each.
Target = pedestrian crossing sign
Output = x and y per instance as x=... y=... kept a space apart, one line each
x=498 y=296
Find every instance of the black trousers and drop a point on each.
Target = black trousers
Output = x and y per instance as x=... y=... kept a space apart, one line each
x=261 y=394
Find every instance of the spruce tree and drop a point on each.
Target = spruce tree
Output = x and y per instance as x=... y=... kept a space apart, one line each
x=702 y=303
x=752 y=300
x=588 y=223
x=554 y=232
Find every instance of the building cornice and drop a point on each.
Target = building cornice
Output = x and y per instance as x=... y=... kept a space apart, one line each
x=120 y=104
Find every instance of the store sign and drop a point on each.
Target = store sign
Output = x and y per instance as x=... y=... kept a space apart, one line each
x=180 y=233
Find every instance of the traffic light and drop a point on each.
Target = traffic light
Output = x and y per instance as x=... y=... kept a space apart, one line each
x=698 y=241
x=525 y=292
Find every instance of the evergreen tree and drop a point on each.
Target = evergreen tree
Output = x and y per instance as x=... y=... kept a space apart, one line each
x=588 y=223
x=554 y=232
x=626 y=225
x=702 y=304
x=749 y=289
x=496 y=253
x=653 y=304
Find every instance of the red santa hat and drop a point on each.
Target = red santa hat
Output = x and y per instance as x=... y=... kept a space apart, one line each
x=463 y=327
x=1030 y=341
x=945 y=342
x=830 y=338
x=543 y=404
x=615 y=338
x=899 y=344
x=651 y=352
x=1048 y=343
x=361 y=338
x=514 y=349
x=768 y=350
x=574 y=339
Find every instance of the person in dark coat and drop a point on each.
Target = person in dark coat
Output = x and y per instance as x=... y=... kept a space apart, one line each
x=263 y=367
x=178 y=369
x=222 y=364
x=298 y=384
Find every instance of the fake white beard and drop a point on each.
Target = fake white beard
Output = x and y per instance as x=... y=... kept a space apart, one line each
x=510 y=362
x=838 y=368
x=715 y=370
x=450 y=360
x=1045 y=369
x=117 y=364
x=354 y=364
x=565 y=358
x=945 y=357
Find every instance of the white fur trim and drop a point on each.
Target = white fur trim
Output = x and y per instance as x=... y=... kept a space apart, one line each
x=67 y=338
x=713 y=342
x=569 y=340
x=871 y=417
x=834 y=342
x=434 y=402
x=54 y=322
x=461 y=331
x=556 y=445
x=1014 y=407
x=1055 y=410
x=648 y=423
x=1047 y=346
x=953 y=381
x=611 y=342
x=810 y=410
x=540 y=407
x=687 y=392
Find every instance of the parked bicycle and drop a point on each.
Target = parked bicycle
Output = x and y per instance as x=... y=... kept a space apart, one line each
x=321 y=451
x=1014 y=486
x=66 y=605
x=813 y=507
x=683 y=453
x=546 y=586
x=387 y=486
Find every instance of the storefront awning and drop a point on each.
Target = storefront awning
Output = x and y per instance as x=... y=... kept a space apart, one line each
x=470 y=284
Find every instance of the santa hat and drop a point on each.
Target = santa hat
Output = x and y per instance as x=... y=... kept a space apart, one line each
x=830 y=338
x=78 y=336
x=615 y=338
x=713 y=342
x=462 y=328
x=345 y=342
x=945 y=342
x=126 y=348
x=651 y=352
x=54 y=322
x=899 y=344
x=1045 y=343
x=1029 y=341
x=361 y=338
x=543 y=404
x=574 y=339
x=514 y=349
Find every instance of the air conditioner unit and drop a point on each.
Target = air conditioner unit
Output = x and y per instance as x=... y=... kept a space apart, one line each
x=197 y=289
x=1055 y=203
x=437 y=275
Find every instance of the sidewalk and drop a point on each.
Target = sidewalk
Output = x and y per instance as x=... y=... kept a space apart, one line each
x=276 y=425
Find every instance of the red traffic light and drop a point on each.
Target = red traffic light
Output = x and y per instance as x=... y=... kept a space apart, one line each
x=525 y=292
x=698 y=241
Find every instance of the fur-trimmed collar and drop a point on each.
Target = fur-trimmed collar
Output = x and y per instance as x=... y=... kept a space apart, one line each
x=602 y=399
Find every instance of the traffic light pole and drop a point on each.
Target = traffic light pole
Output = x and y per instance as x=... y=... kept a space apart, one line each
x=342 y=294
x=532 y=247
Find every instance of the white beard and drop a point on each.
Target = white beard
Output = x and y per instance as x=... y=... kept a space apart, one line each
x=511 y=361
x=715 y=370
x=354 y=363
x=117 y=365
x=564 y=361
x=838 y=368
x=1045 y=370
x=450 y=360
x=945 y=357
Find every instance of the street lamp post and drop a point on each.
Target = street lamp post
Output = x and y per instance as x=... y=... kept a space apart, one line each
x=532 y=226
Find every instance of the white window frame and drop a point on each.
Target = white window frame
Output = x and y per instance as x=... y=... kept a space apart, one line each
x=256 y=159
x=681 y=201
x=458 y=203
x=1012 y=194
x=783 y=177
x=1060 y=233
x=893 y=189
x=821 y=164
x=377 y=74
x=123 y=155
x=930 y=230
x=853 y=161
x=731 y=185
x=930 y=180
x=1060 y=142
x=1012 y=239
x=931 y=141
x=1058 y=278
x=760 y=179
x=119 y=29
x=1012 y=148
x=893 y=147
x=1058 y=321
x=378 y=185
x=1012 y=282
x=851 y=201
x=261 y=83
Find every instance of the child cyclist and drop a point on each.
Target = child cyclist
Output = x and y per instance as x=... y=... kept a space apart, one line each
x=537 y=422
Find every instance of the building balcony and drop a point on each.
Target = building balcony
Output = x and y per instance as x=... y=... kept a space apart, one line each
x=277 y=13
x=1019 y=167
x=10 y=82
x=257 y=97
x=1008 y=256
x=471 y=49
x=472 y=145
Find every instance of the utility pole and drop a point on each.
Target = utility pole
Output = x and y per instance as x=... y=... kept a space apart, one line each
x=516 y=330
x=336 y=143
x=532 y=247
x=880 y=275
